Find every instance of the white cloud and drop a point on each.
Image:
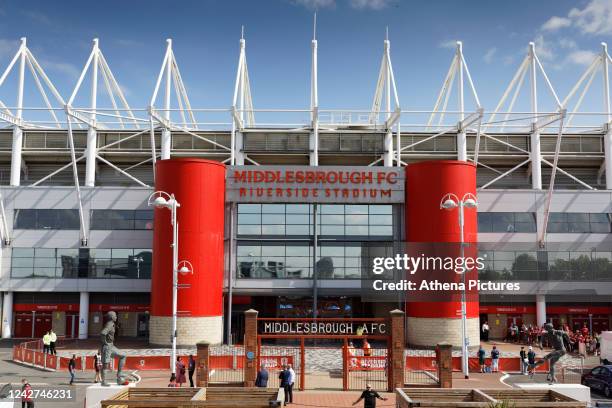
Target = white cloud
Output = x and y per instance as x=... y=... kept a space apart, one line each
x=581 y=57
x=316 y=4
x=555 y=23
x=488 y=57
x=543 y=48
x=451 y=44
x=594 y=19
x=356 y=4
x=370 y=4
x=63 y=68
x=567 y=43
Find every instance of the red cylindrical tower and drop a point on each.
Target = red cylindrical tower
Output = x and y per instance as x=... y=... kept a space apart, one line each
x=426 y=184
x=199 y=188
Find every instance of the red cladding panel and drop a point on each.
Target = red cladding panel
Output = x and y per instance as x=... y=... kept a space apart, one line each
x=199 y=187
x=426 y=184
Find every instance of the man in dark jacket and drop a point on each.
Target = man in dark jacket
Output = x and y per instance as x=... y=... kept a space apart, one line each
x=369 y=397
x=262 y=377
x=191 y=369
x=524 y=362
x=285 y=383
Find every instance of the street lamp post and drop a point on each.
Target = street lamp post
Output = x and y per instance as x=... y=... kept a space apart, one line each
x=449 y=202
x=161 y=199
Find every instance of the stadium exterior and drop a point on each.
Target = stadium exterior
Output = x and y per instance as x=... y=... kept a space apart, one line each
x=77 y=233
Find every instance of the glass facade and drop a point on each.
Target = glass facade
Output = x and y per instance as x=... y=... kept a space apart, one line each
x=276 y=240
x=332 y=220
x=580 y=223
x=506 y=222
x=121 y=219
x=81 y=263
x=47 y=219
x=547 y=265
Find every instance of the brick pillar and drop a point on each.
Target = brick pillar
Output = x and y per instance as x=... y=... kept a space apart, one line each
x=444 y=360
x=396 y=350
x=250 y=347
x=202 y=363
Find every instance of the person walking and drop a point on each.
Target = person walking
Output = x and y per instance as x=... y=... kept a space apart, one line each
x=485 y=331
x=261 y=380
x=524 y=362
x=98 y=367
x=481 y=359
x=369 y=397
x=291 y=382
x=46 y=342
x=26 y=394
x=494 y=360
x=191 y=369
x=284 y=378
x=72 y=368
x=180 y=372
x=52 y=340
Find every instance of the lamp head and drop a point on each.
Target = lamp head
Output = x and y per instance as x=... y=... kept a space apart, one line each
x=449 y=204
x=470 y=203
x=160 y=202
x=184 y=270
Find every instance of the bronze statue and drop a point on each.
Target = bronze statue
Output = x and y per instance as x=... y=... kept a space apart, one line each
x=109 y=351
x=555 y=339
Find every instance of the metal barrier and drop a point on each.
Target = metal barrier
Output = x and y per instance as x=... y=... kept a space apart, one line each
x=571 y=370
x=226 y=364
x=361 y=370
x=421 y=370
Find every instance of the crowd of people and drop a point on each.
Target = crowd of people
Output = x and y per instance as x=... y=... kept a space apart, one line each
x=582 y=340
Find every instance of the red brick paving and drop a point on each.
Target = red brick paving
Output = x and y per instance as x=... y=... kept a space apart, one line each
x=339 y=399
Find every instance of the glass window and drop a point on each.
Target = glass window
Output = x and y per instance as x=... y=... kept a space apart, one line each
x=64 y=219
x=249 y=218
x=81 y=263
x=273 y=208
x=273 y=218
x=579 y=223
x=353 y=219
x=298 y=230
x=506 y=222
x=356 y=209
x=249 y=208
x=298 y=219
x=299 y=208
x=122 y=219
x=502 y=222
x=25 y=219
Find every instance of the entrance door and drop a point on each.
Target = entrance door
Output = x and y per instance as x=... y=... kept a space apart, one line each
x=143 y=325
x=23 y=324
x=71 y=325
x=42 y=324
x=600 y=323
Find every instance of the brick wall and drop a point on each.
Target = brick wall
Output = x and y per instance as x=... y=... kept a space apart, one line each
x=190 y=330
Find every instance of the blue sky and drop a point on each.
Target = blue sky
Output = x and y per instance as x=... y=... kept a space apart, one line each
x=278 y=33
